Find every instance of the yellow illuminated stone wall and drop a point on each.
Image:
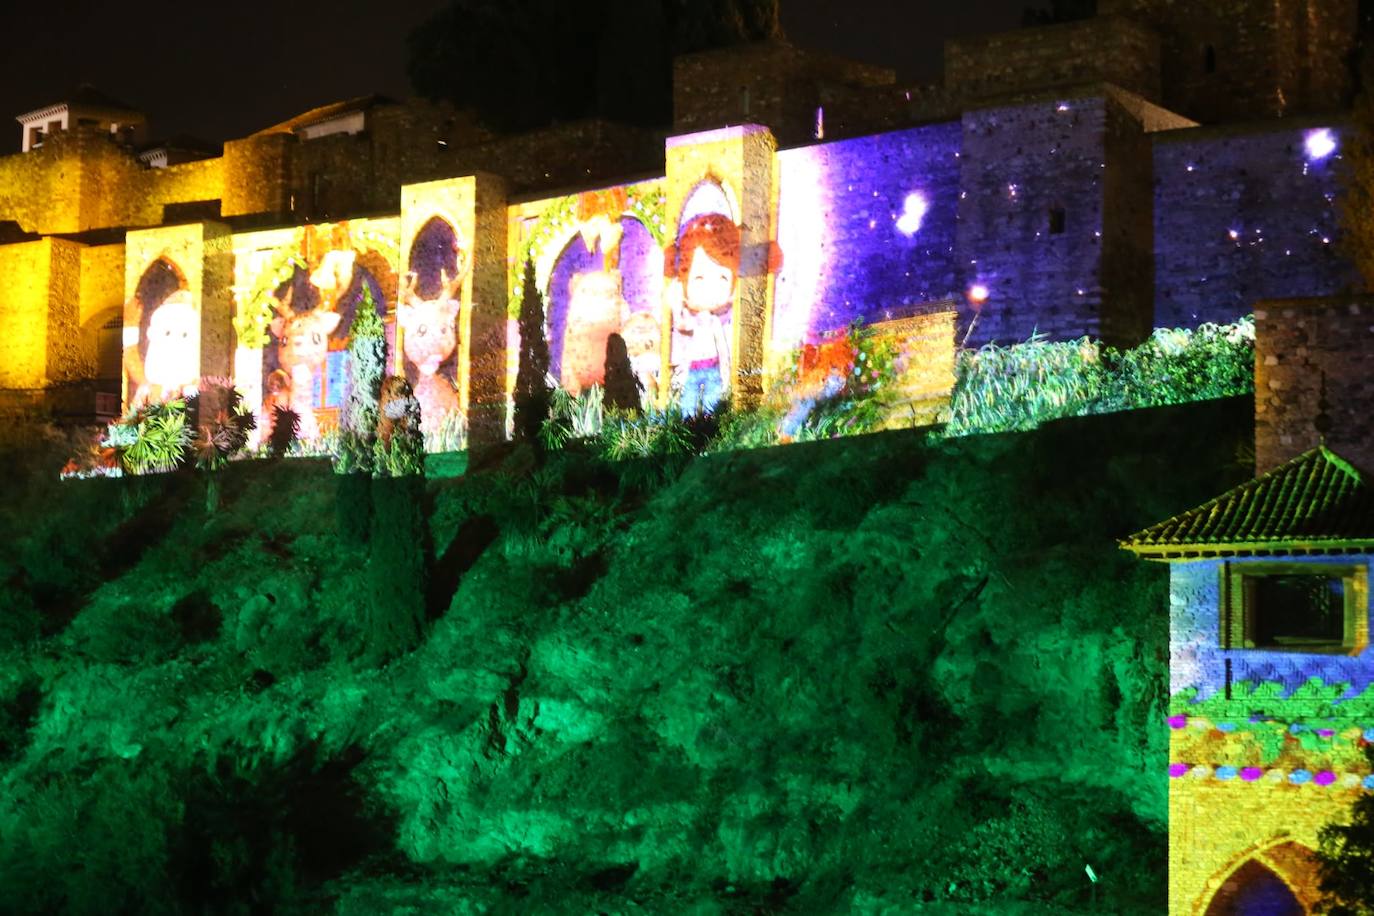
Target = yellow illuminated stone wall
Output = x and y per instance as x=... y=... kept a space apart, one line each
x=78 y=181
x=1215 y=827
x=452 y=201
x=101 y=300
x=102 y=282
x=40 y=331
x=257 y=175
x=926 y=380
x=486 y=332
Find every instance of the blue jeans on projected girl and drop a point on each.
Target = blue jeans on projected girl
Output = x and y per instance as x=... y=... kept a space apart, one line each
x=702 y=388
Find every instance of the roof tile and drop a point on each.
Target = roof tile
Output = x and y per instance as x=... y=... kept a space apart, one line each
x=1316 y=499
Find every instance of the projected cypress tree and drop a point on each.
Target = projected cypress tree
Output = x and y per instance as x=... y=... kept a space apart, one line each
x=532 y=394
x=366 y=364
x=397 y=565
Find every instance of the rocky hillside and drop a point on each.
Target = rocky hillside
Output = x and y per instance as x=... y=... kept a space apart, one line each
x=879 y=674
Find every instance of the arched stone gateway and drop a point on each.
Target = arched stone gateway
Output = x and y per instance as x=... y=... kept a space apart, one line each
x=1278 y=880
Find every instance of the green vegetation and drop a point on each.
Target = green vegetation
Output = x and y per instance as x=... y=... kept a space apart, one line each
x=366 y=366
x=861 y=675
x=999 y=389
x=1347 y=881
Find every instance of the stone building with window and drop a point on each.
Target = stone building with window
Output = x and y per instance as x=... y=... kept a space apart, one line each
x=1271 y=679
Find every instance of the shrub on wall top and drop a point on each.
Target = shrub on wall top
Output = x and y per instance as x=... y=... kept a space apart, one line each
x=1001 y=389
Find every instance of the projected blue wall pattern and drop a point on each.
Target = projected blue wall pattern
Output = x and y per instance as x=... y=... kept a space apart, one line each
x=867 y=229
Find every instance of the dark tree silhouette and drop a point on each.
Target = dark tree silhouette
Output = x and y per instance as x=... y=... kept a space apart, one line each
x=525 y=63
x=532 y=394
x=1059 y=11
x=1345 y=859
x=622 y=388
x=1357 y=222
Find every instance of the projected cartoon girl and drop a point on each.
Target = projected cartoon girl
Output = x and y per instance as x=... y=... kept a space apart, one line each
x=703 y=269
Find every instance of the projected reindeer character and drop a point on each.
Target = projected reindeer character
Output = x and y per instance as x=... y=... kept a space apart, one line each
x=429 y=336
x=170 y=367
x=302 y=347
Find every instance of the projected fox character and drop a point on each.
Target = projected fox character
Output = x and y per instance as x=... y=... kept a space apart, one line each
x=641 y=334
x=429 y=336
x=703 y=271
x=596 y=310
x=170 y=359
x=302 y=347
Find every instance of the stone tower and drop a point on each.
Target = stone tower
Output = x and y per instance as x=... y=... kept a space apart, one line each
x=1240 y=60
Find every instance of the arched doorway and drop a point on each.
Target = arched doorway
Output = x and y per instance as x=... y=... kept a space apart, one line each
x=1278 y=880
x=1254 y=890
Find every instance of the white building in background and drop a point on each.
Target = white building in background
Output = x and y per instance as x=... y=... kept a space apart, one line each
x=87 y=107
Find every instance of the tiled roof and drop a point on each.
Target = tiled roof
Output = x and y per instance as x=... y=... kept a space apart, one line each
x=84 y=97
x=328 y=112
x=90 y=97
x=1316 y=502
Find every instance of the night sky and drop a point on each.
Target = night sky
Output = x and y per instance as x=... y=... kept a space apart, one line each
x=251 y=63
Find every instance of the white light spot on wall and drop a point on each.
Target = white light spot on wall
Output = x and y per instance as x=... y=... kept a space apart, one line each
x=803 y=233
x=978 y=293
x=1233 y=234
x=914 y=210
x=1063 y=106
x=1319 y=144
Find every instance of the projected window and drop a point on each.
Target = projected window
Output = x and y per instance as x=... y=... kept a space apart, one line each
x=1297 y=608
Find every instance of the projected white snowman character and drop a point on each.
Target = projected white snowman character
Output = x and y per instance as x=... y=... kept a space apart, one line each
x=172 y=352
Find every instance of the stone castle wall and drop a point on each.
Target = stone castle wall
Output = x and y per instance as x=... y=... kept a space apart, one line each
x=1228 y=60
x=1114 y=50
x=1019 y=165
x=1297 y=342
x=765 y=83
x=1242 y=214
x=1049 y=192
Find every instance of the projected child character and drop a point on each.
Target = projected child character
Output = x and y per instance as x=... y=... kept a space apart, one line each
x=702 y=291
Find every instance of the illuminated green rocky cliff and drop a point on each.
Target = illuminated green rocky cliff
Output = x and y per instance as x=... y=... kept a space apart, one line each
x=868 y=675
